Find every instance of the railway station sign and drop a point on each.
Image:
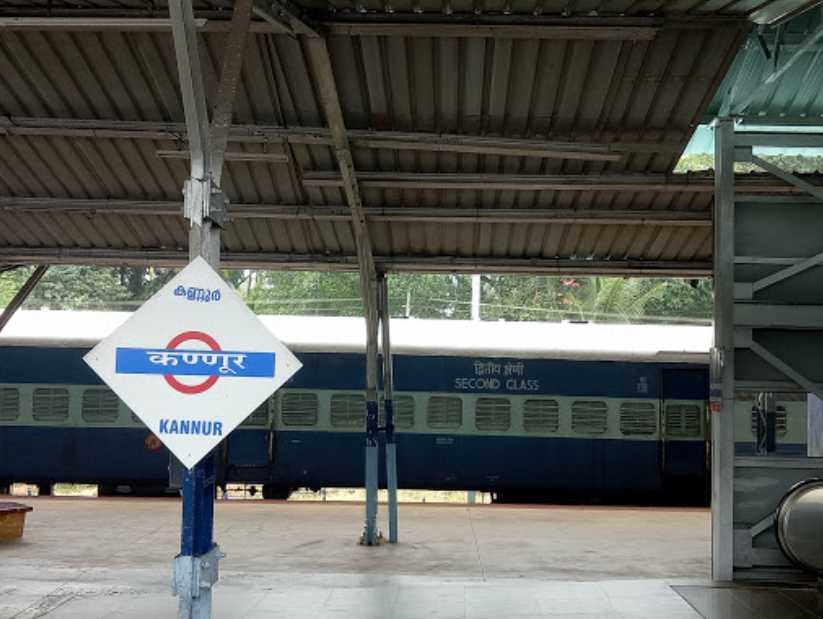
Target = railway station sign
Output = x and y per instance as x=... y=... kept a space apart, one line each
x=193 y=362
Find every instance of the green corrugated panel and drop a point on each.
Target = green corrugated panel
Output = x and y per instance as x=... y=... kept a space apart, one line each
x=796 y=93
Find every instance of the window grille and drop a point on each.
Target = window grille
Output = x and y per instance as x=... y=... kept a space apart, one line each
x=9 y=403
x=590 y=417
x=99 y=406
x=259 y=416
x=444 y=413
x=541 y=416
x=493 y=414
x=682 y=420
x=638 y=418
x=781 y=421
x=51 y=404
x=299 y=409
x=348 y=411
x=403 y=412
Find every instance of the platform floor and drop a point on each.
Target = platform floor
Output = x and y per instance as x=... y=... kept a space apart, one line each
x=96 y=558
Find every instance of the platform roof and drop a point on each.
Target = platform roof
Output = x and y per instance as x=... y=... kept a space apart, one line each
x=777 y=77
x=495 y=136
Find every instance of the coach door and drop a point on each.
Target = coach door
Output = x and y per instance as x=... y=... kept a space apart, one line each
x=250 y=445
x=683 y=397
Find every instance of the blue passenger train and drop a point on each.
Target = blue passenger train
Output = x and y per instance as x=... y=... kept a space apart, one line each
x=518 y=409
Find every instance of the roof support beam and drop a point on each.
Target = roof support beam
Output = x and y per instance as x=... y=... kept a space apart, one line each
x=20 y=297
x=233 y=53
x=390 y=264
x=288 y=14
x=703 y=183
x=491 y=30
x=320 y=63
x=360 y=138
x=442 y=214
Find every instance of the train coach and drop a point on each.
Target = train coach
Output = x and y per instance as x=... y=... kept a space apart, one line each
x=534 y=410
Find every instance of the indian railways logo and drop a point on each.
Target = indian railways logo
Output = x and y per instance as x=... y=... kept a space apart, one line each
x=207 y=359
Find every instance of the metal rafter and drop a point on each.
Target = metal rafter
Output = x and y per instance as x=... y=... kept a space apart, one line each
x=227 y=88
x=440 y=214
x=631 y=182
x=361 y=138
x=348 y=262
x=286 y=17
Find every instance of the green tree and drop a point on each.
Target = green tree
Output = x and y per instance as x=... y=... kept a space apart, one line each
x=504 y=297
x=519 y=297
x=684 y=300
x=79 y=288
x=613 y=299
x=142 y=282
x=430 y=296
x=297 y=292
x=704 y=162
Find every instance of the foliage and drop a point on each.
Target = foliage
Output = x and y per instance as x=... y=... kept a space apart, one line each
x=602 y=299
x=294 y=292
x=83 y=287
x=430 y=296
x=69 y=287
x=142 y=282
x=704 y=162
x=338 y=294
x=504 y=297
x=685 y=300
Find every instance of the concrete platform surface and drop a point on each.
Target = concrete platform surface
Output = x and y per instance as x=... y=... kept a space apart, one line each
x=112 y=558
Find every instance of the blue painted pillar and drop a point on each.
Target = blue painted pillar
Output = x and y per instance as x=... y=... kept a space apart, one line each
x=370 y=533
x=198 y=508
x=388 y=405
x=195 y=568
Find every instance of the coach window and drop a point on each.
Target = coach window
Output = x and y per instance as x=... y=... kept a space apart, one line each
x=541 y=416
x=135 y=419
x=403 y=412
x=9 y=404
x=99 y=406
x=683 y=420
x=444 y=413
x=259 y=416
x=492 y=414
x=780 y=421
x=590 y=417
x=638 y=418
x=298 y=409
x=51 y=404
x=348 y=411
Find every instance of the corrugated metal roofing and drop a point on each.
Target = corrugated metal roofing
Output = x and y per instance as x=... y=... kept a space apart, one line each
x=92 y=140
x=796 y=93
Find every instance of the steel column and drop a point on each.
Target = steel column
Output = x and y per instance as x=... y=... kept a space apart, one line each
x=370 y=531
x=22 y=294
x=388 y=404
x=204 y=240
x=318 y=53
x=196 y=567
x=722 y=379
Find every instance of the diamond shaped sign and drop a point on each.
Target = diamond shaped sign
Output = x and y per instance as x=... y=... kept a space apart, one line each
x=193 y=362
